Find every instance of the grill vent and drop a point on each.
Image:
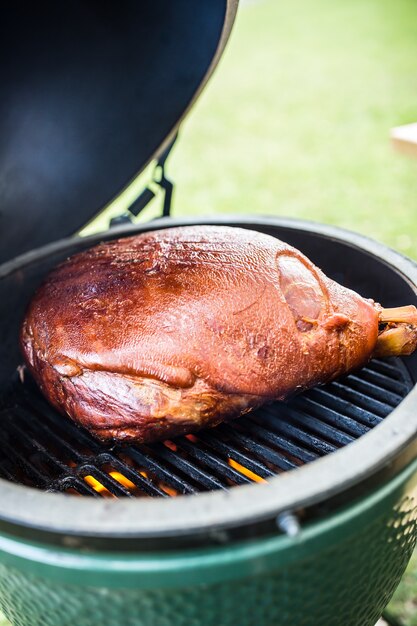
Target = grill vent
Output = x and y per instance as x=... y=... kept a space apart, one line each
x=40 y=448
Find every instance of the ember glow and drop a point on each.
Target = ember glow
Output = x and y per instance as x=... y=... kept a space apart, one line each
x=100 y=488
x=246 y=472
x=128 y=484
x=170 y=491
x=171 y=445
x=97 y=486
x=125 y=481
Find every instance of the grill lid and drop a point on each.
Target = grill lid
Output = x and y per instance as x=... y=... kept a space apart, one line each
x=91 y=92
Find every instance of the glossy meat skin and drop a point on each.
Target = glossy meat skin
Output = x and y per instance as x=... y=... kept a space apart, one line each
x=169 y=331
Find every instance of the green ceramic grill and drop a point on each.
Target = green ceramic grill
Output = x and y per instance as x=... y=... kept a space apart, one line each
x=302 y=513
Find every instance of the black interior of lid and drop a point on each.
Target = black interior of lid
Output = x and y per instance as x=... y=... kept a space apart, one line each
x=89 y=91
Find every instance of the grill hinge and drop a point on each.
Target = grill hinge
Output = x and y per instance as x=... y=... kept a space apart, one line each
x=159 y=178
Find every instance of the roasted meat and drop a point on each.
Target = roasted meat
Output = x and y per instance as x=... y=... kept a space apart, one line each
x=170 y=331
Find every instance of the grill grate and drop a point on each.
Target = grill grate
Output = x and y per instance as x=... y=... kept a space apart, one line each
x=40 y=448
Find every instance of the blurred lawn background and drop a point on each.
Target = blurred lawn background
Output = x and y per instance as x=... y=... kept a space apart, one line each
x=296 y=121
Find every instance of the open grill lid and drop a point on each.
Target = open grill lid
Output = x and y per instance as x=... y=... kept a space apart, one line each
x=90 y=93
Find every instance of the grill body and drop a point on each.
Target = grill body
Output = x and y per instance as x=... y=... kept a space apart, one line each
x=341 y=570
x=219 y=557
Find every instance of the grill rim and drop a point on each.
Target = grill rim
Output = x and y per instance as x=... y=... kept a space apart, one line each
x=380 y=453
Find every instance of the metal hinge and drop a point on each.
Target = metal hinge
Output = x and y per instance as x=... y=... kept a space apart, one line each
x=159 y=178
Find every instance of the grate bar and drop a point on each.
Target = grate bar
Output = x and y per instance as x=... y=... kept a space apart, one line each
x=219 y=442
x=330 y=416
x=318 y=427
x=261 y=451
x=279 y=423
x=41 y=448
x=193 y=471
x=329 y=398
x=213 y=461
x=379 y=408
x=380 y=380
x=112 y=485
x=72 y=482
x=21 y=463
x=157 y=468
x=75 y=436
x=36 y=449
x=253 y=427
x=389 y=368
x=387 y=395
x=135 y=477
x=44 y=428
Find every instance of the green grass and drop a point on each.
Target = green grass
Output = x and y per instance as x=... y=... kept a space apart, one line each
x=296 y=119
x=404 y=603
x=295 y=122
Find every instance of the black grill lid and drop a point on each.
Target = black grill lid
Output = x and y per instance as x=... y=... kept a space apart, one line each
x=91 y=91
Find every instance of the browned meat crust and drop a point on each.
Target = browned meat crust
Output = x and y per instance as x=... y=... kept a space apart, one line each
x=169 y=331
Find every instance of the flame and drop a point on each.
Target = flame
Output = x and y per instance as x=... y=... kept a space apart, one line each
x=97 y=486
x=171 y=445
x=100 y=488
x=123 y=480
x=169 y=490
x=246 y=472
x=120 y=478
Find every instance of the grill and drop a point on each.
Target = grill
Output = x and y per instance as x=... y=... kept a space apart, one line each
x=297 y=514
x=40 y=448
x=182 y=523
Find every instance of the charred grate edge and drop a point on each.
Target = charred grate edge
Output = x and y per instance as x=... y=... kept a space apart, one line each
x=40 y=448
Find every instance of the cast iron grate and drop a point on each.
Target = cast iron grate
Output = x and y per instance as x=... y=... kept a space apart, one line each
x=40 y=448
